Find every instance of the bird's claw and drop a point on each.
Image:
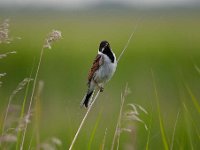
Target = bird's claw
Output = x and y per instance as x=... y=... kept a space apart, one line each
x=101 y=89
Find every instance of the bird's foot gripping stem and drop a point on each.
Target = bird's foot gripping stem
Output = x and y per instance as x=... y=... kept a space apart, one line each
x=101 y=88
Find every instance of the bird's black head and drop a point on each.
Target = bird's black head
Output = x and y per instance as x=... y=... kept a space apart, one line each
x=104 y=47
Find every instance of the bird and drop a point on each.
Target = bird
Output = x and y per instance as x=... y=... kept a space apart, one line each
x=102 y=70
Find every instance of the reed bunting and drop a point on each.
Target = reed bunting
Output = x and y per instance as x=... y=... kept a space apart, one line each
x=102 y=70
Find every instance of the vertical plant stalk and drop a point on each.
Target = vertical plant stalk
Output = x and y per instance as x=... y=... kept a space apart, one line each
x=38 y=112
x=23 y=109
x=84 y=118
x=104 y=140
x=94 y=130
x=52 y=37
x=82 y=122
x=149 y=129
x=162 y=129
x=5 y=117
x=32 y=95
x=173 y=135
x=118 y=126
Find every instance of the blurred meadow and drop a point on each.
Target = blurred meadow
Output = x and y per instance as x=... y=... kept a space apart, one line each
x=161 y=67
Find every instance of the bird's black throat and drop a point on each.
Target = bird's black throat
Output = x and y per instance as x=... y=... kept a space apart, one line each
x=107 y=51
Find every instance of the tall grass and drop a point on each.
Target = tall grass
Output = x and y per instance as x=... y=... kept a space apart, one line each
x=118 y=126
x=24 y=118
x=184 y=131
x=53 y=36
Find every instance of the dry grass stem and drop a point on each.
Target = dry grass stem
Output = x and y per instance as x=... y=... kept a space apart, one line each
x=82 y=122
x=38 y=112
x=118 y=126
x=128 y=42
x=20 y=86
x=104 y=140
x=53 y=36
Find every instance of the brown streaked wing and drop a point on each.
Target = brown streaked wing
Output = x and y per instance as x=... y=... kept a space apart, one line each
x=94 y=68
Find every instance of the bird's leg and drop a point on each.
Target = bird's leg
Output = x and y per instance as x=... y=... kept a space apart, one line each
x=101 y=88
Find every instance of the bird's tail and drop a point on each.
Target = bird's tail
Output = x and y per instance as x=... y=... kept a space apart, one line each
x=86 y=100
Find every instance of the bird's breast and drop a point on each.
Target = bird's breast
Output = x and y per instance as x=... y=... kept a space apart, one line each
x=106 y=71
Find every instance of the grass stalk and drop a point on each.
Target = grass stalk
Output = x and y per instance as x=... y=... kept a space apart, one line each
x=173 y=135
x=82 y=122
x=94 y=131
x=52 y=37
x=6 y=114
x=128 y=42
x=104 y=140
x=194 y=99
x=23 y=109
x=162 y=129
x=149 y=129
x=117 y=129
x=32 y=95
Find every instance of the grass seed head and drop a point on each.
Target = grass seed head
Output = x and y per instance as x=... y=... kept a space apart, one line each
x=8 y=138
x=21 y=85
x=6 y=54
x=24 y=121
x=51 y=144
x=4 y=32
x=53 y=36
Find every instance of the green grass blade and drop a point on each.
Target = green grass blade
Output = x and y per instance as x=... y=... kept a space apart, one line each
x=188 y=125
x=194 y=100
x=23 y=110
x=173 y=135
x=94 y=131
x=162 y=129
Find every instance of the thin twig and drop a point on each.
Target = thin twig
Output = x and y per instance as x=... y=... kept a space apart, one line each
x=82 y=122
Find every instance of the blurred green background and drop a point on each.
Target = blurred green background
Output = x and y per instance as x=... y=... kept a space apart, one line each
x=166 y=42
